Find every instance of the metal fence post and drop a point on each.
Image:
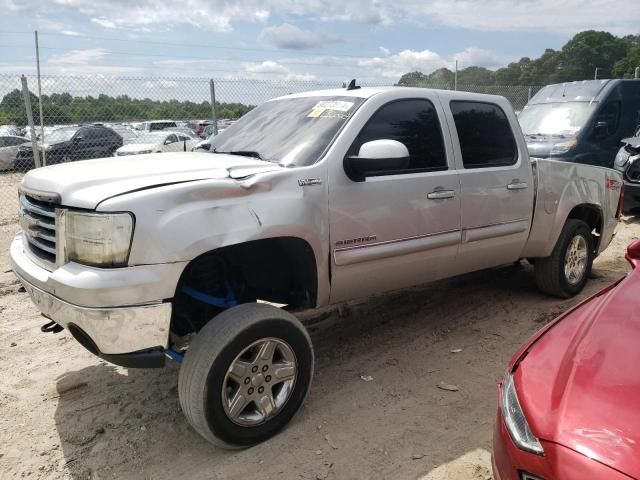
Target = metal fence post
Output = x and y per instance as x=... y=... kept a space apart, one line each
x=212 y=88
x=27 y=105
x=44 y=152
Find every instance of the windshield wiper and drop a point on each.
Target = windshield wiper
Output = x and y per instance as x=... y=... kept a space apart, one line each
x=242 y=153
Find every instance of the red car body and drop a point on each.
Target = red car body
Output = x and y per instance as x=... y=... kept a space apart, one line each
x=578 y=386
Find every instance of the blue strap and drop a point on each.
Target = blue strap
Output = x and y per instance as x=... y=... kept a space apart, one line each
x=220 y=302
x=172 y=354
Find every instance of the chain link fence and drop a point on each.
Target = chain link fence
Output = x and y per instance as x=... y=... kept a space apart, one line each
x=98 y=116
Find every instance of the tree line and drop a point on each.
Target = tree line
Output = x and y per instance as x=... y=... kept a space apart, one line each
x=614 y=57
x=63 y=108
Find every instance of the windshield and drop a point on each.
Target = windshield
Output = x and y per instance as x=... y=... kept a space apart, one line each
x=292 y=132
x=153 y=138
x=59 y=135
x=561 y=119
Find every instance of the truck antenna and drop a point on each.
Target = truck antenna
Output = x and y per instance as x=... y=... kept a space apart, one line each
x=352 y=85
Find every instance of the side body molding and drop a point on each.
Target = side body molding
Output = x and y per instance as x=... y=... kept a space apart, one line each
x=393 y=248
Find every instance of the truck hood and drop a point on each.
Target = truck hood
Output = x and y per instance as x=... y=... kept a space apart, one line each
x=87 y=183
x=579 y=385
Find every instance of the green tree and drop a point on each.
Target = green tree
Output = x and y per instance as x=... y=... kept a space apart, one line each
x=587 y=51
x=13 y=109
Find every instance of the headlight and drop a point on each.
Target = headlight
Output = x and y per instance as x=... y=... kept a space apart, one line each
x=622 y=157
x=563 y=147
x=515 y=421
x=98 y=239
x=145 y=151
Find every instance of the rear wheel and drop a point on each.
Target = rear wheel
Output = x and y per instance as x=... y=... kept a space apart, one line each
x=564 y=273
x=245 y=375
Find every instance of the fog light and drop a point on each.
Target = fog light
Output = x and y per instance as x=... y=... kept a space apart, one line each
x=528 y=476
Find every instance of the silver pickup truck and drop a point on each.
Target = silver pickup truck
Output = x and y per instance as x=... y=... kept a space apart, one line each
x=308 y=200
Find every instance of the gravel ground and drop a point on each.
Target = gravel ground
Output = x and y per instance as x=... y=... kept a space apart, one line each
x=9 y=196
x=67 y=414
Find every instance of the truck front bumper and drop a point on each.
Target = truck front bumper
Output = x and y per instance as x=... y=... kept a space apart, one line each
x=119 y=314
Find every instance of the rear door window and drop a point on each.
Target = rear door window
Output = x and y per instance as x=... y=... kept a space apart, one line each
x=485 y=136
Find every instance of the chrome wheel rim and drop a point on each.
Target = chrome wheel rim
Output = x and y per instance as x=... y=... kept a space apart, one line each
x=575 y=260
x=259 y=382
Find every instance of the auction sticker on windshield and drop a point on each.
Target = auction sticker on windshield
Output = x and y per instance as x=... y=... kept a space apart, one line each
x=329 y=105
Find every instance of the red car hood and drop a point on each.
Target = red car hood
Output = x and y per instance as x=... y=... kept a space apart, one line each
x=579 y=384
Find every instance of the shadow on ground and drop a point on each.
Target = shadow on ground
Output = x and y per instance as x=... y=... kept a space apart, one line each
x=119 y=423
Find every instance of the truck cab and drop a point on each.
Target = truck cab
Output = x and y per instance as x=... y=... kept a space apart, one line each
x=581 y=122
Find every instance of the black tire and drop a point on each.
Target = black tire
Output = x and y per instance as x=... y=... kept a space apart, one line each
x=210 y=355
x=550 y=271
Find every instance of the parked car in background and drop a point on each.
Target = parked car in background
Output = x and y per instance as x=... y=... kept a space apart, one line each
x=153 y=125
x=9 y=149
x=209 y=130
x=568 y=404
x=581 y=122
x=308 y=200
x=9 y=130
x=156 y=142
x=627 y=161
x=205 y=145
x=69 y=144
x=198 y=126
x=202 y=146
x=188 y=132
x=127 y=134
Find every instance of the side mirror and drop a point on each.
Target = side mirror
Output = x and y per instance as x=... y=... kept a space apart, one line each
x=376 y=156
x=77 y=139
x=633 y=253
x=167 y=142
x=601 y=129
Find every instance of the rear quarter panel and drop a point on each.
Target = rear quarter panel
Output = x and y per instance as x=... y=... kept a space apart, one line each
x=562 y=186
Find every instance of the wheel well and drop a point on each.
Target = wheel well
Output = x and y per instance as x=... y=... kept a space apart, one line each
x=280 y=270
x=592 y=216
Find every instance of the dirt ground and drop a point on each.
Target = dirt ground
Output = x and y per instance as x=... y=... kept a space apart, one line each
x=66 y=414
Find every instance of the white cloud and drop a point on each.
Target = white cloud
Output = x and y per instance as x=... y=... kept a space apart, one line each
x=426 y=61
x=294 y=38
x=70 y=33
x=79 y=57
x=164 y=84
x=479 y=57
x=268 y=68
x=566 y=17
x=103 y=22
x=393 y=66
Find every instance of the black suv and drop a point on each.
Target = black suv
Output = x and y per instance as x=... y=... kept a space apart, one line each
x=68 y=144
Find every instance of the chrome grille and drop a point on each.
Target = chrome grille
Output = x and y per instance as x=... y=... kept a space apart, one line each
x=38 y=222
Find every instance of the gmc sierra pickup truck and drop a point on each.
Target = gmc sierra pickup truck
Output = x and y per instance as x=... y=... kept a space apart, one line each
x=308 y=200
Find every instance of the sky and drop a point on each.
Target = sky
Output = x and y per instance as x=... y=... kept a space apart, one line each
x=292 y=40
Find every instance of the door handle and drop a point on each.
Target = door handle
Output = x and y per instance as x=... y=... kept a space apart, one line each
x=517 y=185
x=441 y=194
